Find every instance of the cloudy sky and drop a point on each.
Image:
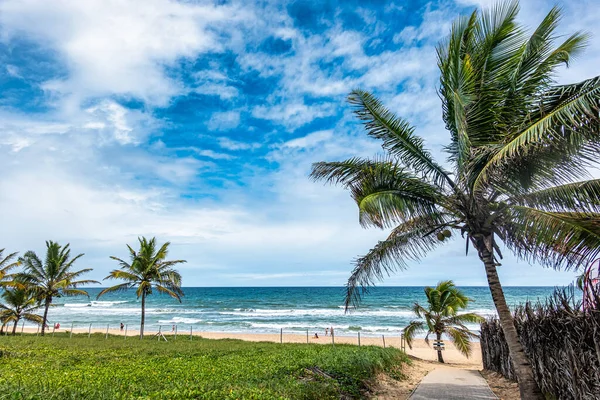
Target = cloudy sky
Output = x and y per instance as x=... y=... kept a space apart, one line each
x=198 y=122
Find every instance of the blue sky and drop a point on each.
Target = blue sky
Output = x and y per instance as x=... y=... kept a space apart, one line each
x=197 y=123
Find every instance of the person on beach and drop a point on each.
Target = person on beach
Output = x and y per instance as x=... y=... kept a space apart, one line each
x=173 y=328
x=326 y=331
x=57 y=326
x=122 y=326
x=316 y=336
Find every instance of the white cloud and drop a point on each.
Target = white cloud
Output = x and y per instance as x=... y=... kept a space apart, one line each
x=233 y=145
x=310 y=140
x=224 y=120
x=293 y=115
x=116 y=47
x=214 y=154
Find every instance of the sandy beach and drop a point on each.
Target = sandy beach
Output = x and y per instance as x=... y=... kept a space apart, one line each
x=419 y=350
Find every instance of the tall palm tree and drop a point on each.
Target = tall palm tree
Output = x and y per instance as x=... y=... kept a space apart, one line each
x=441 y=317
x=6 y=264
x=519 y=146
x=148 y=269
x=53 y=277
x=19 y=303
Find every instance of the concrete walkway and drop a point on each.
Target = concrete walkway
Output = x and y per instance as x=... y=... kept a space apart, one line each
x=447 y=383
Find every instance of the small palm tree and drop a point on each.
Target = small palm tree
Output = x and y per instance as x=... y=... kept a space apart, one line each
x=6 y=264
x=53 y=277
x=441 y=317
x=519 y=147
x=148 y=269
x=19 y=303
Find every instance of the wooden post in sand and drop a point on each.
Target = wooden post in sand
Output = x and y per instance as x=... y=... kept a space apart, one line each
x=175 y=332
x=71 y=333
x=383 y=337
x=281 y=336
x=159 y=333
x=402 y=342
x=90 y=331
x=190 y=333
x=332 y=338
x=125 y=332
x=106 y=337
x=53 y=329
x=37 y=330
x=358 y=339
x=22 y=326
x=307 y=336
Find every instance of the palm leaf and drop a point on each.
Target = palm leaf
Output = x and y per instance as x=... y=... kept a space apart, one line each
x=460 y=338
x=409 y=241
x=411 y=330
x=567 y=239
x=117 y=288
x=578 y=196
x=566 y=110
x=397 y=136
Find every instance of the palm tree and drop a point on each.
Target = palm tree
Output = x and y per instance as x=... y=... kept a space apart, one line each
x=519 y=145
x=19 y=303
x=148 y=269
x=441 y=317
x=6 y=264
x=53 y=277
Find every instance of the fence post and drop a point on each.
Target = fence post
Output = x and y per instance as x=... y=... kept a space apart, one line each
x=402 y=342
x=159 y=332
x=90 y=331
x=307 y=336
x=37 y=330
x=190 y=333
x=358 y=339
x=175 y=332
x=71 y=333
x=53 y=329
x=383 y=337
x=125 y=332
x=106 y=337
x=332 y=338
x=281 y=336
x=22 y=326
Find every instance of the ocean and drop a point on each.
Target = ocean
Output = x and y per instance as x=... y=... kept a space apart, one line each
x=385 y=310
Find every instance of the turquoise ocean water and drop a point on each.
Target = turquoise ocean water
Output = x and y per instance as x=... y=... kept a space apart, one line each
x=385 y=310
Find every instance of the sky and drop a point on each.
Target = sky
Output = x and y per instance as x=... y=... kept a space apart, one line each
x=197 y=123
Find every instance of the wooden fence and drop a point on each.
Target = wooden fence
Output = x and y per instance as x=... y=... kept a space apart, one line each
x=560 y=339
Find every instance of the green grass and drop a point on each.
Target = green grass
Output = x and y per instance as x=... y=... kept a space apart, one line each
x=80 y=368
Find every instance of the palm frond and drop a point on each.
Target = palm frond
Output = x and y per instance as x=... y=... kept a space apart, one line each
x=172 y=293
x=384 y=192
x=411 y=330
x=578 y=196
x=408 y=241
x=466 y=318
x=461 y=339
x=397 y=135
x=117 y=288
x=566 y=112
x=124 y=275
x=566 y=239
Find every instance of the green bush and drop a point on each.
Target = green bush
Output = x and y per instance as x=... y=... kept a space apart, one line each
x=80 y=368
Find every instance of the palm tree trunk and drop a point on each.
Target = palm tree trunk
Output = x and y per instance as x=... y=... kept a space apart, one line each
x=14 y=331
x=527 y=385
x=143 y=314
x=45 y=318
x=439 y=337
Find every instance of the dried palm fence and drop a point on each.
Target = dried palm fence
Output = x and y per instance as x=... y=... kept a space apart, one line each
x=561 y=340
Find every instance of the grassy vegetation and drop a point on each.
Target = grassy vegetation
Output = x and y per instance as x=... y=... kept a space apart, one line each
x=81 y=368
